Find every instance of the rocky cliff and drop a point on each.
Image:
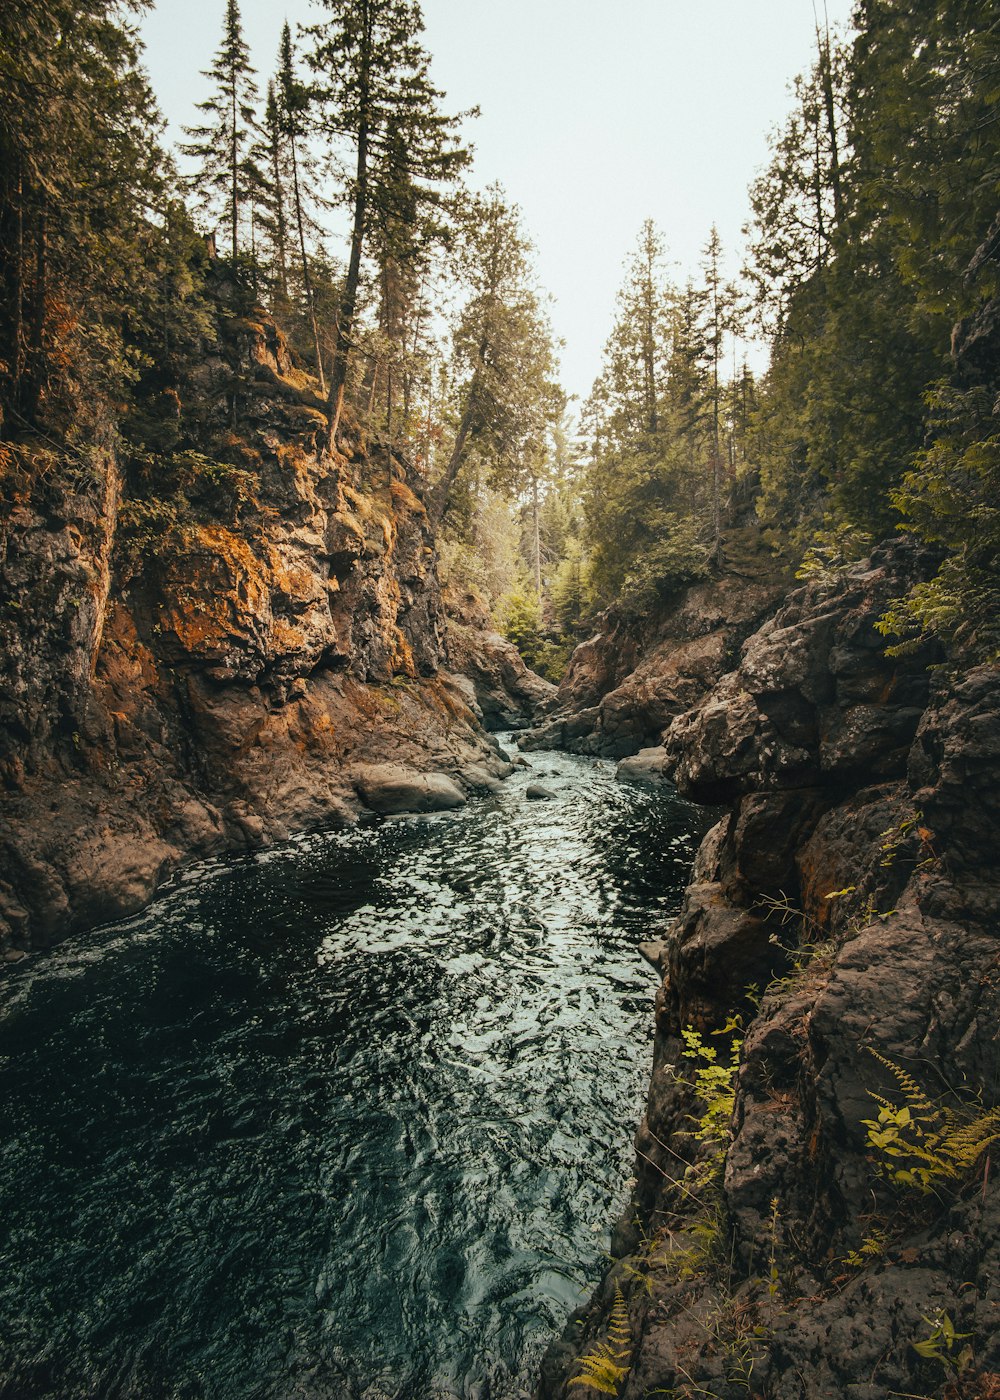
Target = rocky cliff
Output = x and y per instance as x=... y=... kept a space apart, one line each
x=214 y=640
x=827 y=1225
x=624 y=685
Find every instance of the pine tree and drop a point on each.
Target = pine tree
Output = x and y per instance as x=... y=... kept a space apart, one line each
x=226 y=177
x=294 y=101
x=720 y=320
x=378 y=99
x=270 y=158
x=81 y=262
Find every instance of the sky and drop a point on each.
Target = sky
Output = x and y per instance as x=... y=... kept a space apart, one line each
x=595 y=115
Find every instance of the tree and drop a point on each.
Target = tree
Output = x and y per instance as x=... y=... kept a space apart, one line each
x=502 y=351
x=88 y=228
x=293 y=107
x=378 y=99
x=269 y=155
x=721 y=319
x=649 y=419
x=226 y=176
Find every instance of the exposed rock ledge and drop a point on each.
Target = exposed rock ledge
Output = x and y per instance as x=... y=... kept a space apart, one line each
x=857 y=867
x=208 y=650
x=624 y=686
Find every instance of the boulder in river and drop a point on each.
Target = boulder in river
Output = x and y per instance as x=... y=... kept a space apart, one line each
x=389 y=788
x=647 y=768
x=537 y=792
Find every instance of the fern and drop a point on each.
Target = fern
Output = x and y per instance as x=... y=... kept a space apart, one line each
x=922 y=1145
x=607 y=1363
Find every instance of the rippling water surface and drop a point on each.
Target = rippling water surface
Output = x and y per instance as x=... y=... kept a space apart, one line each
x=349 y=1118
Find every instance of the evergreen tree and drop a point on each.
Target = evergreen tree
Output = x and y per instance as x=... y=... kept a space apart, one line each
x=649 y=420
x=270 y=159
x=83 y=269
x=379 y=100
x=226 y=177
x=293 y=107
x=503 y=356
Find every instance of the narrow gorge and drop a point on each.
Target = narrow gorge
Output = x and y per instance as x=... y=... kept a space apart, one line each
x=498 y=894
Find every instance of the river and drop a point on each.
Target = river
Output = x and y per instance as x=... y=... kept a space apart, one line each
x=346 y=1118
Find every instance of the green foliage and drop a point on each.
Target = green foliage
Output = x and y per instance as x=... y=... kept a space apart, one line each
x=606 y=1365
x=715 y=1086
x=664 y=432
x=502 y=373
x=925 y=1146
x=550 y=659
x=940 y=1343
x=678 y=555
x=227 y=177
x=570 y=590
x=833 y=551
x=520 y=614
x=871 y=1247
x=95 y=253
x=952 y=498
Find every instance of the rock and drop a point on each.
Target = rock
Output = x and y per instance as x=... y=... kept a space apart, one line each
x=846 y=911
x=13 y=955
x=507 y=694
x=536 y=792
x=391 y=789
x=623 y=686
x=482 y=781
x=647 y=768
x=218 y=688
x=653 y=952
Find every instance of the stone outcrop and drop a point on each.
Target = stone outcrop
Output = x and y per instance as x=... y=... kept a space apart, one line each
x=841 y=940
x=625 y=685
x=211 y=644
x=499 y=687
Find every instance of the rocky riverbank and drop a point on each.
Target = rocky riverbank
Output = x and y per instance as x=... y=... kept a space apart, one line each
x=624 y=685
x=214 y=643
x=829 y=1227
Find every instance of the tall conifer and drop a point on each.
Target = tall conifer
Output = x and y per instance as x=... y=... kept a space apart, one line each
x=225 y=177
x=380 y=102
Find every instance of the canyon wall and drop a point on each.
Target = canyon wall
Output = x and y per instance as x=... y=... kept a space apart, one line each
x=215 y=643
x=840 y=945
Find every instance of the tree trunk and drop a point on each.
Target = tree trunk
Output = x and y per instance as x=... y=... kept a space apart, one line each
x=826 y=78
x=442 y=491
x=538 y=536
x=349 y=299
x=234 y=212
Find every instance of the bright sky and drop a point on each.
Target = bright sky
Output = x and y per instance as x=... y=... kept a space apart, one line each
x=596 y=115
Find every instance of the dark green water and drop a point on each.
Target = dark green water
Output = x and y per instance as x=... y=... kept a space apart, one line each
x=350 y=1118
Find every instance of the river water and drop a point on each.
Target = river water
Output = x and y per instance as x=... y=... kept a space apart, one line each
x=347 y=1118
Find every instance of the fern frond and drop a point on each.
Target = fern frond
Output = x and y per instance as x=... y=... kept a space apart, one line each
x=915 y=1095
x=606 y=1365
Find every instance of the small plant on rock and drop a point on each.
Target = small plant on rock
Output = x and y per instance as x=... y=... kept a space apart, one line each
x=606 y=1365
x=922 y=1145
x=941 y=1342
